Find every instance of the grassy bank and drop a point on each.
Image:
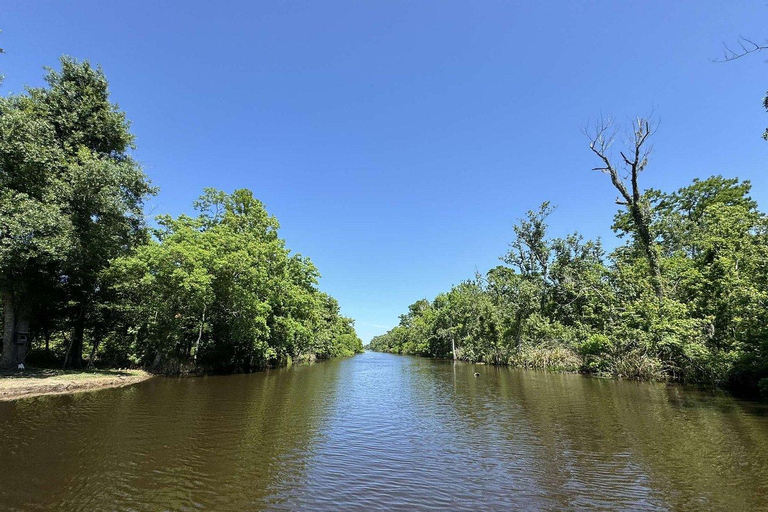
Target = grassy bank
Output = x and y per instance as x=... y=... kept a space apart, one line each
x=37 y=382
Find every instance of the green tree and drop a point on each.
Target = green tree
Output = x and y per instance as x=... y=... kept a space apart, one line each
x=221 y=291
x=562 y=303
x=72 y=196
x=36 y=234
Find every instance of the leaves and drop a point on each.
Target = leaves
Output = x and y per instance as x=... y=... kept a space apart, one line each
x=227 y=279
x=561 y=300
x=220 y=289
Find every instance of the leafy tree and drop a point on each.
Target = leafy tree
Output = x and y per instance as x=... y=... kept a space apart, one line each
x=221 y=291
x=562 y=303
x=35 y=233
x=72 y=197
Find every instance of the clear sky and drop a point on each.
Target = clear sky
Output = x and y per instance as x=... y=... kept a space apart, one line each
x=397 y=142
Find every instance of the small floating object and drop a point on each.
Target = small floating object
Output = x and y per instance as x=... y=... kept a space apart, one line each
x=477 y=374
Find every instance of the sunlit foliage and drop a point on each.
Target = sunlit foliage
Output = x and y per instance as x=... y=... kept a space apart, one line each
x=563 y=303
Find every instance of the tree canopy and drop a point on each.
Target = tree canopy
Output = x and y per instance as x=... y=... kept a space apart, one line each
x=79 y=266
x=563 y=303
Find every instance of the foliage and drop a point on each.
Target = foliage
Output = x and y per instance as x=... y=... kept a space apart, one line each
x=221 y=290
x=563 y=303
x=765 y=105
x=79 y=267
x=72 y=199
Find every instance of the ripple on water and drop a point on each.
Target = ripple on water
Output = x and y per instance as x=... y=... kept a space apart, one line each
x=383 y=432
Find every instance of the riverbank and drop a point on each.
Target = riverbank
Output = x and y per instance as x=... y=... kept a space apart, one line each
x=559 y=359
x=38 y=382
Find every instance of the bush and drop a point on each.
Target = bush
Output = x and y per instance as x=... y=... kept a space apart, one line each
x=595 y=345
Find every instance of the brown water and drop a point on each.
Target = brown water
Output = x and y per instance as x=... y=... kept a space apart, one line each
x=378 y=432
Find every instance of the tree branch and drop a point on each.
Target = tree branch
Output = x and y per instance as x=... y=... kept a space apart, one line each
x=746 y=47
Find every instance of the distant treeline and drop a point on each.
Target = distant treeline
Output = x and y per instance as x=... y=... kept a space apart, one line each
x=84 y=280
x=684 y=298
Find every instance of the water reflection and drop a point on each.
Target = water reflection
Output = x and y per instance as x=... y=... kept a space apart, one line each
x=607 y=445
x=383 y=432
x=168 y=444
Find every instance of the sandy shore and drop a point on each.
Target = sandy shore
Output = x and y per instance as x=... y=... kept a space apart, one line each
x=37 y=382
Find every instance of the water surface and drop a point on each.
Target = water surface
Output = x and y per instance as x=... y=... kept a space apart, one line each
x=385 y=432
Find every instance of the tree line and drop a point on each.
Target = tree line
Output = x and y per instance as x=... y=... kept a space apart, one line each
x=85 y=281
x=684 y=297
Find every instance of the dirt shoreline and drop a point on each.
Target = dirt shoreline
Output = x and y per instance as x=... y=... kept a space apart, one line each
x=40 y=382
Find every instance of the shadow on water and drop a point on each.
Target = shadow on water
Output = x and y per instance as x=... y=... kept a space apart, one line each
x=384 y=432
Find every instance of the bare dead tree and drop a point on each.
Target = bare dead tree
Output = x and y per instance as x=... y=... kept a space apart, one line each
x=634 y=159
x=746 y=47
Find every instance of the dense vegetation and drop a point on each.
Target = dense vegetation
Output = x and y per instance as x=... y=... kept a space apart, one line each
x=685 y=297
x=82 y=273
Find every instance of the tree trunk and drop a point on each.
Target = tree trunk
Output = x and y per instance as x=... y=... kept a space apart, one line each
x=519 y=333
x=635 y=163
x=199 y=335
x=96 y=343
x=75 y=358
x=23 y=339
x=16 y=339
x=643 y=230
x=9 y=328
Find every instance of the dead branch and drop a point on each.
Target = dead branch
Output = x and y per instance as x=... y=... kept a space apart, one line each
x=633 y=161
x=746 y=47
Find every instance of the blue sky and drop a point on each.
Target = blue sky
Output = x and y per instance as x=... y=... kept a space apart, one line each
x=397 y=142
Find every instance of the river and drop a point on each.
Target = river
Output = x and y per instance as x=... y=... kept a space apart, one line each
x=385 y=432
